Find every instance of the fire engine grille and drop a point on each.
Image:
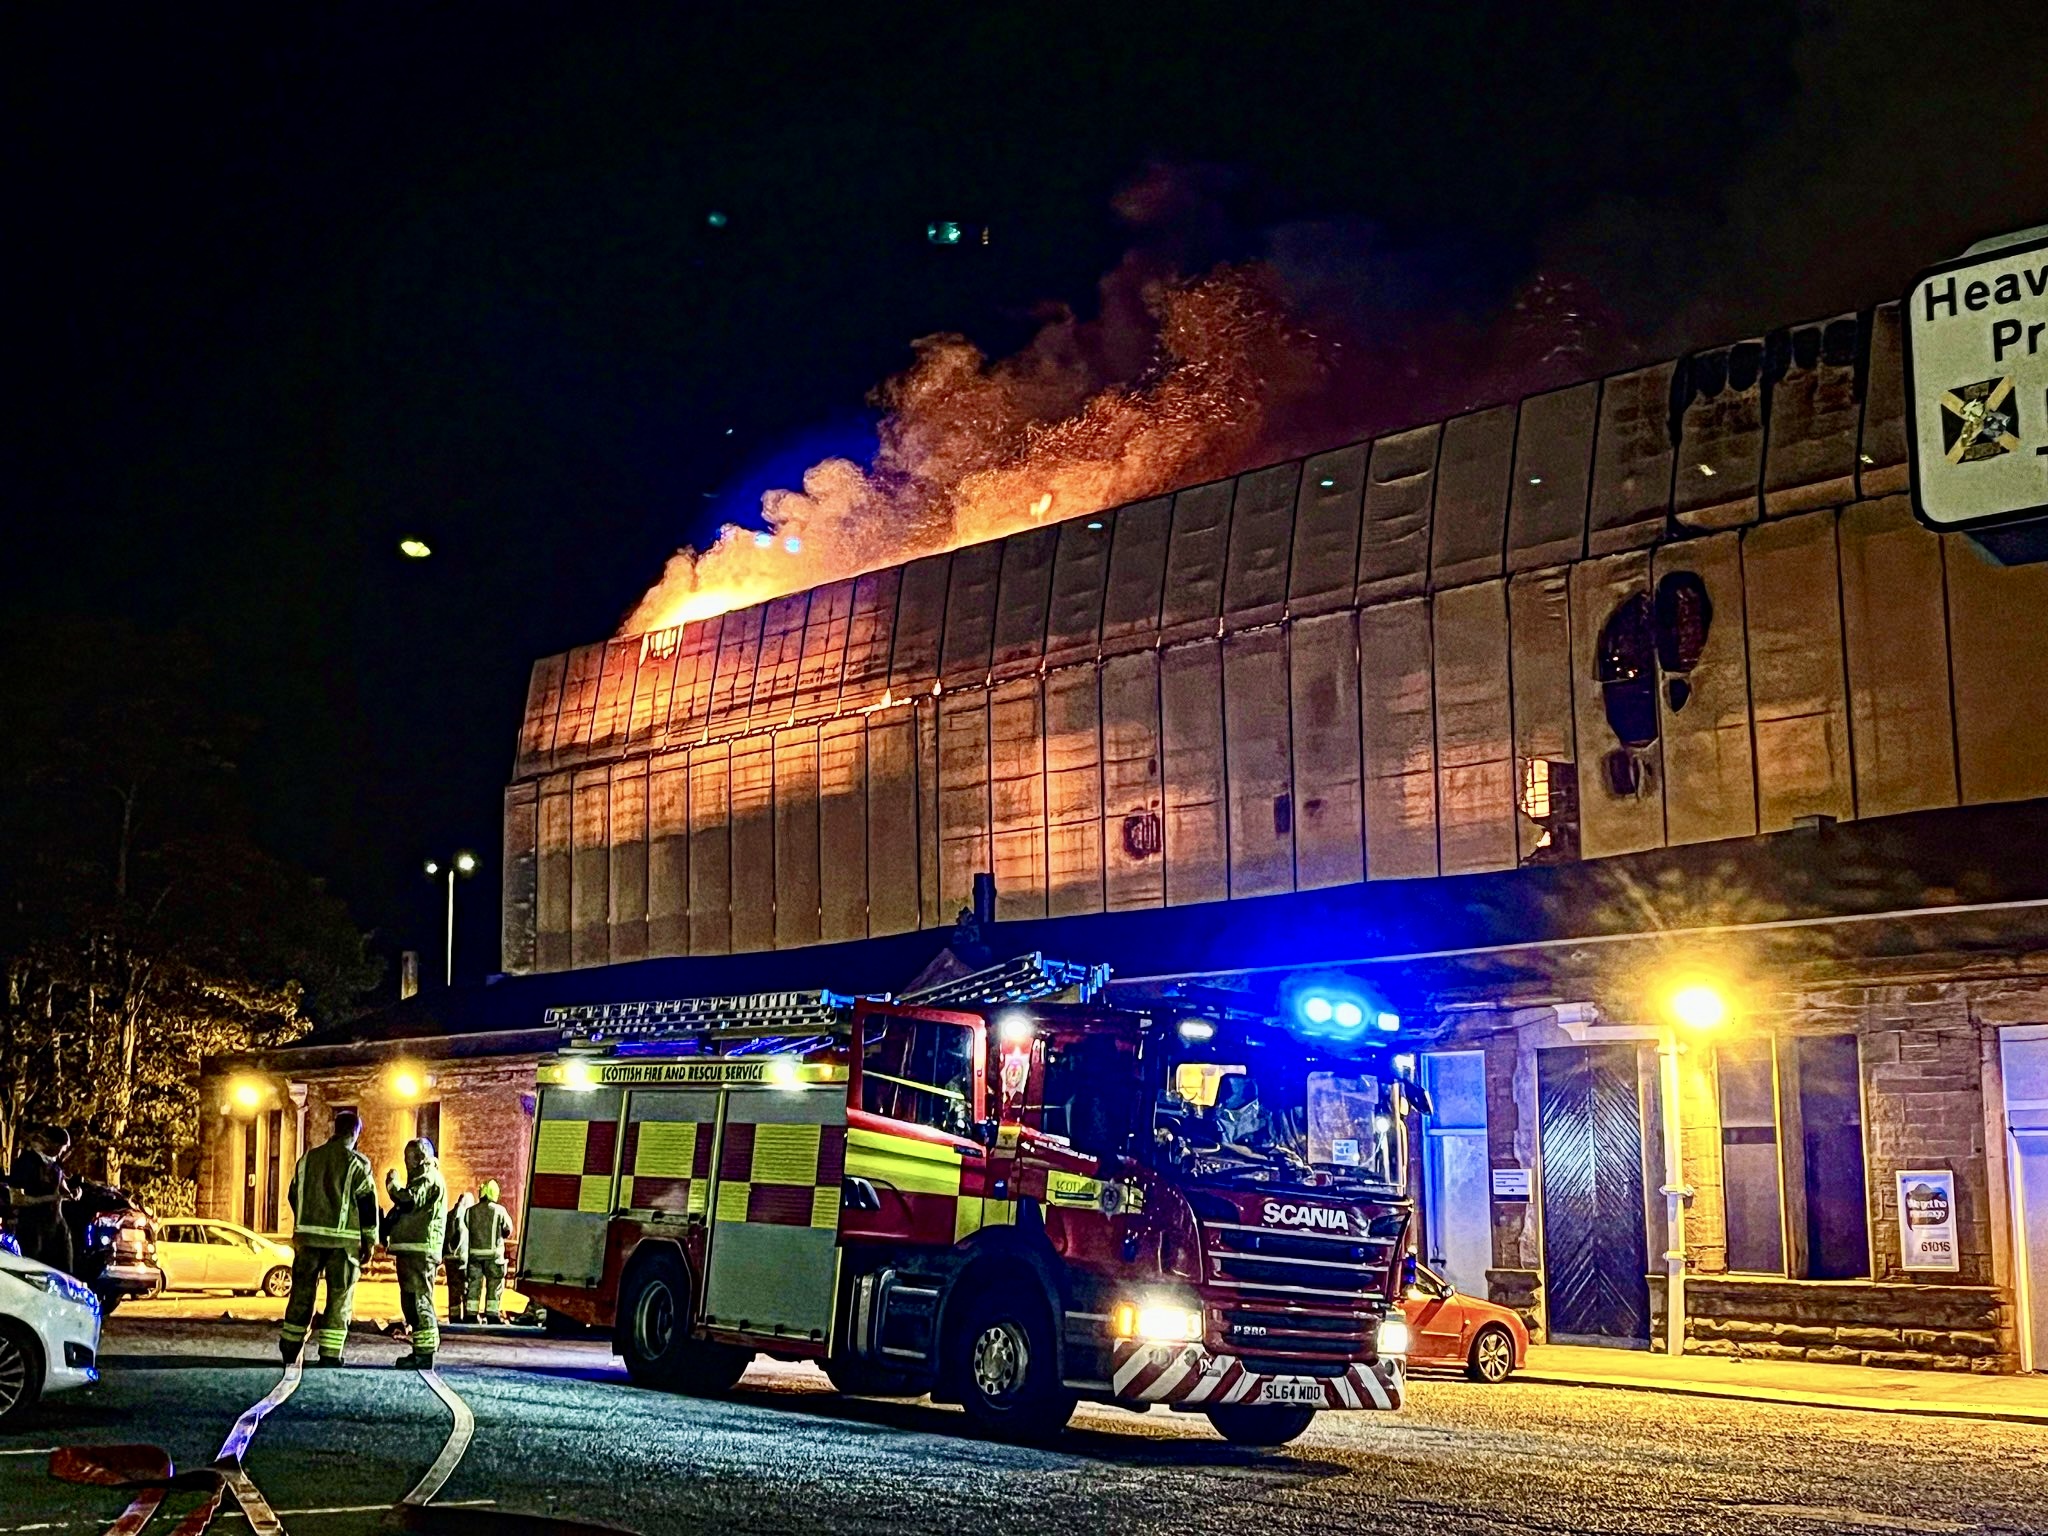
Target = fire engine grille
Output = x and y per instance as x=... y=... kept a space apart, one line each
x=1317 y=1268
x=1293 y=1302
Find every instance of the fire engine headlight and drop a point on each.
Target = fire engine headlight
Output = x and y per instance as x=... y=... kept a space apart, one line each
x=1393 y=1336
x=577 y=1075
x=1155 y=1323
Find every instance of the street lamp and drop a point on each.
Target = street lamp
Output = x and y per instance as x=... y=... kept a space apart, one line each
x=463 y=864
x=1693 y=1003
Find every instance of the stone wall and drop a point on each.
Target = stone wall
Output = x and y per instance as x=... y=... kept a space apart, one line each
x=1837 y=1322
x=486 y=1123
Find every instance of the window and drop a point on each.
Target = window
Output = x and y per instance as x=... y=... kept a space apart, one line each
x=1792 y=1171
x=426 y=1122
x=221 y=1237
x=920 y=1071
x=1751 y=1177
x=1837 y=1216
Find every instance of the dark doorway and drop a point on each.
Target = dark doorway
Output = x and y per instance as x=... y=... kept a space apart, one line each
x=249 y=1174
x=1594 y=1249
x=273 y=1178
x=1831 y=1135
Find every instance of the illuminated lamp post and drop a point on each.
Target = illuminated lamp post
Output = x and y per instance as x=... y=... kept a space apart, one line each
x=1695 y=1004
x=462 y=864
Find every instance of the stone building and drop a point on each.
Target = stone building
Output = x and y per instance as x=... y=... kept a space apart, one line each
x=1501 y=713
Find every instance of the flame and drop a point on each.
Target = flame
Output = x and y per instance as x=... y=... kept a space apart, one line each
x=971 y=450
x=1176 y=381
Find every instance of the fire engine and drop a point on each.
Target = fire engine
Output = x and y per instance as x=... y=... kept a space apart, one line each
x=1003 y=1192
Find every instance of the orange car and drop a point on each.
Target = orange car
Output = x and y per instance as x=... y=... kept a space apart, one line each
x=1451 y=1330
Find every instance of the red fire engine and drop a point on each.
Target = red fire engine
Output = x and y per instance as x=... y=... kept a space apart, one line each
x=1002 y=1199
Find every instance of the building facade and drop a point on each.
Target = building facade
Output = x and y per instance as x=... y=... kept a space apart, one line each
x=1464 y=709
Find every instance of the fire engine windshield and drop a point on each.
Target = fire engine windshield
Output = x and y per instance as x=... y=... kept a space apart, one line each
x=1269 y=1114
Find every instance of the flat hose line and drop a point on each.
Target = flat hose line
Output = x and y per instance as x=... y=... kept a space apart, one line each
x=234 y=1478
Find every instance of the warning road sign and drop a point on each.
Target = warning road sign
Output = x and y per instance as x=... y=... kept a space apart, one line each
x=1977 y=385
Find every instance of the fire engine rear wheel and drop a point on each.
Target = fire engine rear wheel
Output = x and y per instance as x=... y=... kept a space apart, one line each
x=1260 y=1426
x=1006 y=1369
x=654 y=1333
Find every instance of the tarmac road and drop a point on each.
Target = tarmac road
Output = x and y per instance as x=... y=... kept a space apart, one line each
x=559 y=1432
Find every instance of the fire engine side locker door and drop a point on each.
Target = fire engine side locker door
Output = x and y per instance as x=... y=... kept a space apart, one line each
x=774 y=1255
x=569 y=1201
x=665 y=1161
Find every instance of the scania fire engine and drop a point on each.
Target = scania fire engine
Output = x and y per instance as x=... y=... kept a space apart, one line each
x=1002 y=1192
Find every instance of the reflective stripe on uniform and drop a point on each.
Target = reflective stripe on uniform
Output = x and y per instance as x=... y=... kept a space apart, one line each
x=433 y=1248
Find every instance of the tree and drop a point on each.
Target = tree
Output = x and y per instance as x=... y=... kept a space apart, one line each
x=141 y=927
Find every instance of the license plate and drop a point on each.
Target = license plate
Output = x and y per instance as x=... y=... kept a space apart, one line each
x=1291 y=1392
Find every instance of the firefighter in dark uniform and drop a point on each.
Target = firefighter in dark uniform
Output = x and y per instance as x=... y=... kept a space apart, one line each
x=334 y=1227
x=413 y=1232
x=486 y=1228
x=455 y=1256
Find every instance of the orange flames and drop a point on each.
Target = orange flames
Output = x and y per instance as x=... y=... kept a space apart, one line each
x=972 y=449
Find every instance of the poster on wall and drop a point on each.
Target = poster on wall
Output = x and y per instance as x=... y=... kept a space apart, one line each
x=1927 y=1219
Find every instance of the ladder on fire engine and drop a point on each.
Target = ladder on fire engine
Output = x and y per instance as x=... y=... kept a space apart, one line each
x=783 y=1015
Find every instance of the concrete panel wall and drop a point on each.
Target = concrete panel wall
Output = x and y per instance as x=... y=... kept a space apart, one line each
x=1998 y=626
x=668 y=854
x=892 y=840
x=1261 y=536
x=753 y=844
x=1468 y=528
x=1895 y=629
x=551 y=900
x=1022 y=594
x=1397 y=723
x=1133 y=790
x=1540 y=668
x=711 y=850
x=1799 y=695
x=1475 y=753
x=964 y=847
x=1452 y=649
x=629 y=860
x=1621 y=782
x=1323 y=699
x=1258 y=766
x=798 y=869
x=1016 y=747
x=1073 y=791
x=1191 y=754
x=517 y=942
x=1393 y=549
x=843 y=830
x=1196 y=554
x=590 y=881
x=1703 y=699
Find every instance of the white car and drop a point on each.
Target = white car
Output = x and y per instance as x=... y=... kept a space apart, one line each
x=196 y=1254
x=49 y=1334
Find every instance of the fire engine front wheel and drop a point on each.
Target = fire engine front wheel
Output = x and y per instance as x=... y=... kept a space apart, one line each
x=654 y=1334
x=1006 y=1369
x=1260 y=1426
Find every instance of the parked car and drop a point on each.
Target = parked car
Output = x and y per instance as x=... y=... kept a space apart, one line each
x=116 y=1245
x=197 y=1254
x=1449 y=1329
x=49 y=1334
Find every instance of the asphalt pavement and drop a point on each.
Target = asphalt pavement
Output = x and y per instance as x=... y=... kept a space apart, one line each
x=560 y=1433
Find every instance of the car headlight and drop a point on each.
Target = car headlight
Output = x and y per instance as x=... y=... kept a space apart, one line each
x=1394 y=1337
x=59 y=1285
x=1157 y=1324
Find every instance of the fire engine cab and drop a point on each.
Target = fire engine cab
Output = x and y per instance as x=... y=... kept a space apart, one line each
x=1001 y=1192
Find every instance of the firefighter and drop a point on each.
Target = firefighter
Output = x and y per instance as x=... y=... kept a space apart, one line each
x=334 y=1220
x=455 y=1256
x=486 y=1228
x=413 y=1232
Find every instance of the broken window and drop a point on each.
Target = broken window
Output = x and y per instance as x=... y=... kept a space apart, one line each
x=1550 y=798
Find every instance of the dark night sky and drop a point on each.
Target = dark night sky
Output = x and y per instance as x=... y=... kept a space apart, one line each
x=286 y=286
